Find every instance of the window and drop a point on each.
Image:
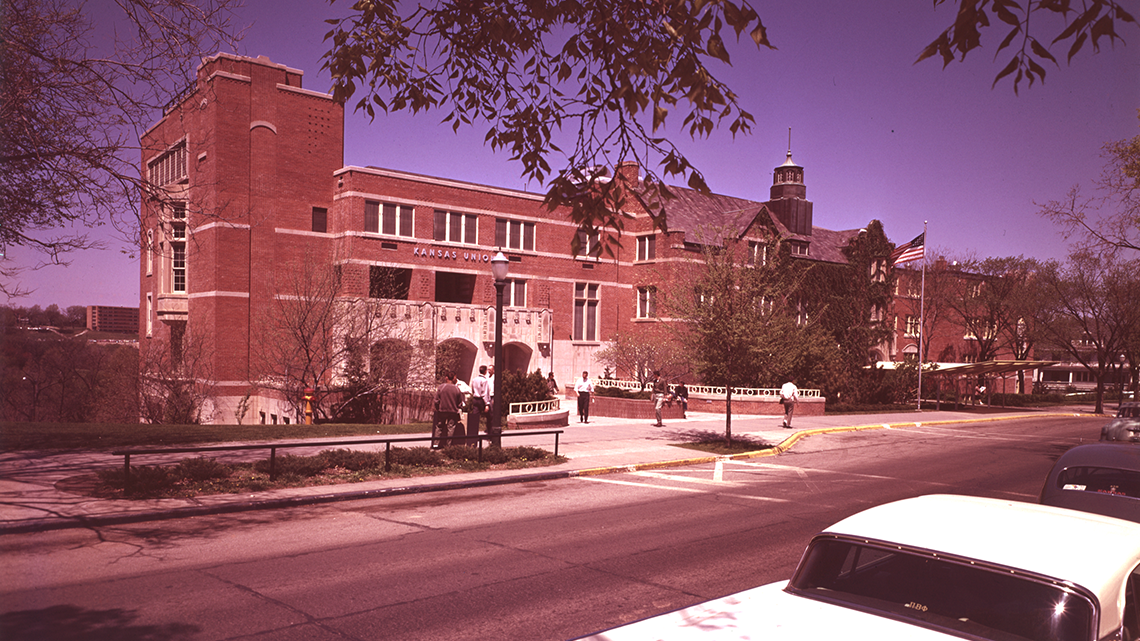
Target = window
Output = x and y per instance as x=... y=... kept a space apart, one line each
x=585 y=312
x=456 y=228
x=647 y=247
x=757 y=254
x=647 y=302
x=149 y=314
x=798 y=248
x=389 y=282
x=927 y=589
x=389 y=219
x=514 y=294
x=149 y=249
x=178 y=248
x=320 y=219
x=455 y=288
x=589 y=243
x=879 y=271
x=170 y=167
x=514 y=234
x=911 y=325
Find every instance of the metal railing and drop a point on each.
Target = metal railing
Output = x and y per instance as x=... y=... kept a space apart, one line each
x=707 y=390
x=536 y=407
x=273 y=447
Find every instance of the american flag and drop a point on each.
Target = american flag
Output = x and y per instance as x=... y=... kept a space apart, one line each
x=906 y=252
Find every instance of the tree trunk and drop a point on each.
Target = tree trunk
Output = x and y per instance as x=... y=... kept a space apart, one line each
x=728 y=414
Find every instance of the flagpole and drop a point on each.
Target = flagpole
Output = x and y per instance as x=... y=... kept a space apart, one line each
x=921 y=315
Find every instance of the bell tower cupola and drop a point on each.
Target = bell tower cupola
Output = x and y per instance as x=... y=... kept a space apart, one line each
x=789 y=195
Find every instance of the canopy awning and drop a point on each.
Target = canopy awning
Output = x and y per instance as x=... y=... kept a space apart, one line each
x=986 y=367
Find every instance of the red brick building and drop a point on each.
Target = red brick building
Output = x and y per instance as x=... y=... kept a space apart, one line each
x=252 y=187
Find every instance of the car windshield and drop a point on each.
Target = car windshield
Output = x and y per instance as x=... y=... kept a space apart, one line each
x=934 y=591
x=1102 y=480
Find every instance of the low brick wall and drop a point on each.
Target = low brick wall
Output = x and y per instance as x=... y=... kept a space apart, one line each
x=637 y=408
x=746 y=405
x=538 y=421
x=631 y=408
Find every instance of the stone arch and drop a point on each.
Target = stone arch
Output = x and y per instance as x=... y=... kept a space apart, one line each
x=458 y=355
x=516 y=357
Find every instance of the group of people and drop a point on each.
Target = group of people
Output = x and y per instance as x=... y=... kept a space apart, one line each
x=584 y=388
x=451 y=401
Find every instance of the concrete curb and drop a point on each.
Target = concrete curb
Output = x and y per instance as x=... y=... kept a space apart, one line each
x=43 y=525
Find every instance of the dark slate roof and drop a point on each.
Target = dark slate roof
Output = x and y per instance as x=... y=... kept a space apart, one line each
x=708 y=220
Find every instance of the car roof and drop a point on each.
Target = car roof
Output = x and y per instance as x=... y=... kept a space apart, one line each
x=1096 y=552
x=1103 y=455
x=1125 y=456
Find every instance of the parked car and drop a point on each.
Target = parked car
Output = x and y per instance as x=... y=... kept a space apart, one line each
x=1102 y=478
x=937 y=567
x=1126 y=430
x=1130 y=410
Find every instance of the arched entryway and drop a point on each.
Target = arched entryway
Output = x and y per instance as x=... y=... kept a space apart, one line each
x=456 y=355
x=516 y=357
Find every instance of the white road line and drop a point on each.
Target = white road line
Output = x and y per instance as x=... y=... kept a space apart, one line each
x=942 y=431
x=673 y=488
x=773 y=466
x=678 y=477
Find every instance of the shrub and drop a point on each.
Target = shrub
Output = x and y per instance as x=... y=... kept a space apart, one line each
x=202 y=469
x=519 y=388
x=416 y=457
x=460 y=453
x=352 y=459
x=289 y=465
x=617 y=392
x=527 y=453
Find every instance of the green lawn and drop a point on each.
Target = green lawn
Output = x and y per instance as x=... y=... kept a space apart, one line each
x=102 y=436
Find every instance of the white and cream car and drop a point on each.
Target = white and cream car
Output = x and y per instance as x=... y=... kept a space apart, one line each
x=937 y=567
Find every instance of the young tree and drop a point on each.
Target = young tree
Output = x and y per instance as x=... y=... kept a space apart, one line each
x=640 y=352
x=739 y=321
x=72 y=110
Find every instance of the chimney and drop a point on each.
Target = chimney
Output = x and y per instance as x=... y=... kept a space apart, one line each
x=629 y=171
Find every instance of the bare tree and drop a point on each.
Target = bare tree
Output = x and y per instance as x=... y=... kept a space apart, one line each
x=176 y=380
x=641 y=352
x=72 y=112
x=1108 y=220
x=1090 y=310
x=355 y=353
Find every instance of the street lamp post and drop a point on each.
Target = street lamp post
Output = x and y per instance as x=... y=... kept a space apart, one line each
x=1120 y=378
x=499 y=268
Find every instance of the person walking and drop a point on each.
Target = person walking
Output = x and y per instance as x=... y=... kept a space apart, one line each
x=584 y=388
x=789 y=394
x=448 y=403
x=552 y=385
x=659 y=392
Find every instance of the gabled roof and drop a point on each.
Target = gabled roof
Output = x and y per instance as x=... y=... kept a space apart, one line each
x=710 y=219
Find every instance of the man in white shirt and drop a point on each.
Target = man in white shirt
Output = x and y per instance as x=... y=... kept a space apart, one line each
x=789 y=394
x=480 y=400
x=584 y=388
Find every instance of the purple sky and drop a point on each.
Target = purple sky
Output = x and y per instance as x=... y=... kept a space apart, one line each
x=879 y=136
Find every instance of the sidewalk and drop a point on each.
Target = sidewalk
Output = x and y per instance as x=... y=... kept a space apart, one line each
x=34 y=495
